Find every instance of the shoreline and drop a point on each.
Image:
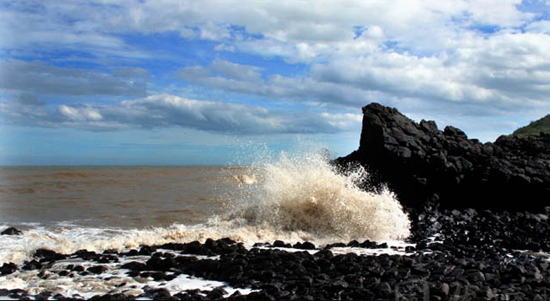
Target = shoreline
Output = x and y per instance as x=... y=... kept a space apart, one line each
x=457 y=254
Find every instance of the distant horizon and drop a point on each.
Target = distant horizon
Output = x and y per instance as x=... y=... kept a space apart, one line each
x=171 y=82
x=183 y=164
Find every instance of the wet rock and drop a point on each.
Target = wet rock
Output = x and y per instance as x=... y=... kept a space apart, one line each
x=8 y=268
x=236 y=296
x=78 y=268
x=32 y=265
x=11 y=231
x=157 y=294
x=216 y=293
x=97 y=269
x=116 y=297
x=135 y=266
x=157 y=263
x=87 y=255
x=132 y=252
x=43 y=296
x=305 y=245
x=146 y=250
x=157 y=276
x=63 y=273
x=369 y=244
x=45 y=255
x=17 y=293
x=281 y=244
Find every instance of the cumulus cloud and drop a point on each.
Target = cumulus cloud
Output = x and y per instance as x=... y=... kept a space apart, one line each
x=462 y=58
x=162 y=111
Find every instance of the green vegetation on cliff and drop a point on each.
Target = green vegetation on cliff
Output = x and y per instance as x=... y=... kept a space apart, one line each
x=535 y=127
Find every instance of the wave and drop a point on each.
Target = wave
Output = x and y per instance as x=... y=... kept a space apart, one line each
x=307 y=194
x=291 y=199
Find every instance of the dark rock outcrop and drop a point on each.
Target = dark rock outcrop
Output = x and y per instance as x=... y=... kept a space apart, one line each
x=421 y=163
x=11 y=231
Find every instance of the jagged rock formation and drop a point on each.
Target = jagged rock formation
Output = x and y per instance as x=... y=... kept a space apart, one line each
x=421 y=163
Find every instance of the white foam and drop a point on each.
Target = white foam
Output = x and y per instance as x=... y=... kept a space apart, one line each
x=294 y=200
x=245 y=179
x=113 y=281
x=306 y=196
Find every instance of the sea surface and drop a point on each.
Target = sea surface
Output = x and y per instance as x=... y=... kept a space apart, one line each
x=98 y=208
x=115 y=196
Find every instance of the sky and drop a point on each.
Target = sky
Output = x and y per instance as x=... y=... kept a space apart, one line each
x=215 y=82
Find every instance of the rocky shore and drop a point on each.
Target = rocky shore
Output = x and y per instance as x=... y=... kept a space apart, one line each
x=423 y=164
x=458 y=255
x=480 y=231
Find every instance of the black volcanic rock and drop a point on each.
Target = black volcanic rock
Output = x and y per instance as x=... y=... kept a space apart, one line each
x=11 y=231
x=421 y=163
x=8 y=268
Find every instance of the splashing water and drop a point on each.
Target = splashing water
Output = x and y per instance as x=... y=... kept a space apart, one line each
x=306 y=194
x=290 y=199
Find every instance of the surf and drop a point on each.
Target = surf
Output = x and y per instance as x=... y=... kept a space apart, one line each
x=306 y=194
x=291 y=198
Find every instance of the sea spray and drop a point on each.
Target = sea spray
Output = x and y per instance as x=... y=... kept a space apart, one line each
x=306 y=194
x=292 y=199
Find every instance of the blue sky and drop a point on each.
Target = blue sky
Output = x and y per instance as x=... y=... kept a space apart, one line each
x=205 y=82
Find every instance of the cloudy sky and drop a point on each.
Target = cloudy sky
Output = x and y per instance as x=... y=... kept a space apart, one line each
x=204 y=82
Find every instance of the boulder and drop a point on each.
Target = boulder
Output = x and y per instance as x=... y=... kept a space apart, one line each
x=422 y=164
x=11 y=231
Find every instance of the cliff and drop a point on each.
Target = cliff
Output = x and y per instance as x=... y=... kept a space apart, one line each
x=423 y=164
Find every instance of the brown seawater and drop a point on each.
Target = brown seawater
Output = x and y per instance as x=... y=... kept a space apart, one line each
x=115 y=196
x=66 y=209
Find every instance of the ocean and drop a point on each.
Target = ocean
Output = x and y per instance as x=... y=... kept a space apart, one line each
x=98 y=208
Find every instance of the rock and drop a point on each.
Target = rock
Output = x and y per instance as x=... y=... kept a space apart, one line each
x=440 y=289
x=18 y=294
x=97 y=269
x=417 y=161
x=11 y=231
x=135 y=266
x=43 y=296
x=369 y=244
x=159 y=264
x=471 y=265
x=78 y=268
x=146 y=250
x=216 y=293
x=114 y=297
x=8 y=268
x=45 y=255
x=157 y=294
x=280 y=244
x=32 y=265
x=87 y=255
x=308 y=246
x=485 y=293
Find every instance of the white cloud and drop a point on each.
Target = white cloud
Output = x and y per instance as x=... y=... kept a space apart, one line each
x=70 y=112
x=542 y=26
x=467 y=58
x=165 y=111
